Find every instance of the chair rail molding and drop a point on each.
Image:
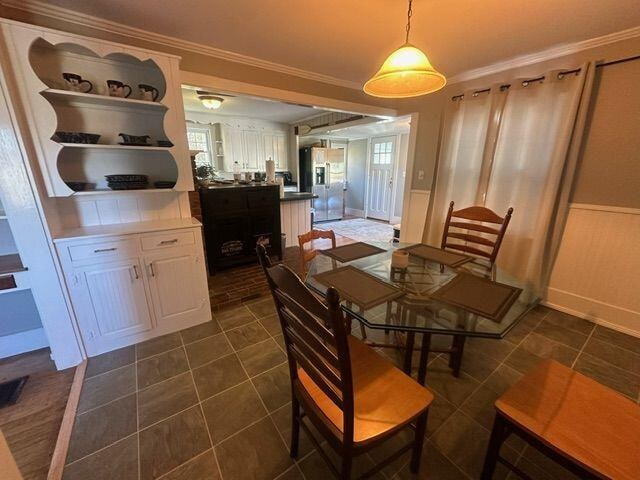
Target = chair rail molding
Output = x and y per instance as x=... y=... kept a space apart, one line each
x=70 y=16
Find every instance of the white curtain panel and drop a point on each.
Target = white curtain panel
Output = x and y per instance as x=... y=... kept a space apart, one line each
x=460 y=159
x=535 y=133
x=509 y=149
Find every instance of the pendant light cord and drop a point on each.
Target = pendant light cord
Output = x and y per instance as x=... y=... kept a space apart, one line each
x=409 y=13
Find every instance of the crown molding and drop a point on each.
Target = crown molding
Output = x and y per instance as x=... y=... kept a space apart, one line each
x=543 y=55
x=63 y=14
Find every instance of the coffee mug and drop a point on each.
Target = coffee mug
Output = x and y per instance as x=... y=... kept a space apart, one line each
x=148 y=93
x=74 y=83
x=116 y=89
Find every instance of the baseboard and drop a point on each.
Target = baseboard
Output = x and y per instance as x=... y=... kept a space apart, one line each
x=58 y=460
x=23 y=342
x=610 y=316
x=355 y=212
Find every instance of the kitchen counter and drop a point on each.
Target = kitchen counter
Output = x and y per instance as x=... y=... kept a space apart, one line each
x=297 y=196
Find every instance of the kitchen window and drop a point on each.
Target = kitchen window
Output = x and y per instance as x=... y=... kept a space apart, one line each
x=200 y=139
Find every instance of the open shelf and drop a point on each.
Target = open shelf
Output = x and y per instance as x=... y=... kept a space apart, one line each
x=96 y=99
x=114 y=147
x=11 y=264
x=108 y=190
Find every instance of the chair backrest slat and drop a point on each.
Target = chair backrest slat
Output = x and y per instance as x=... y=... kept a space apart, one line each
x=328 y=354
x=309 y=321
x=475 y=244
x=315 y=376
x=317 y=362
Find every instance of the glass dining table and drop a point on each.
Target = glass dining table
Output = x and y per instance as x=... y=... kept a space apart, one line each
x=416 y=306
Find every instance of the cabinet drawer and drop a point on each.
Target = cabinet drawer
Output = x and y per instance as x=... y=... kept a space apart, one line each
x=266 y=197
x=105 y=249
x=164 y=240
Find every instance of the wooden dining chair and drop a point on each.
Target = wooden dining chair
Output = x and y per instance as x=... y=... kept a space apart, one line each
x=309 y=254
x=352 y=396
x=456 y=234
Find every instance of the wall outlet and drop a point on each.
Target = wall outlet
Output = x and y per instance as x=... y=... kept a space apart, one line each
x=420 y=174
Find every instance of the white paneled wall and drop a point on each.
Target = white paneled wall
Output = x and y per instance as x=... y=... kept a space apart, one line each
x=597 y=272
x=296 y=220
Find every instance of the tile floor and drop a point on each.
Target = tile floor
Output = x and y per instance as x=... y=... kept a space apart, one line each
x=212 y=402
x=360 y=229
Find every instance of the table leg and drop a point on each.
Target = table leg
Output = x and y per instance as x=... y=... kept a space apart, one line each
x=408 y=353
x=456 y=356
x=424 y=357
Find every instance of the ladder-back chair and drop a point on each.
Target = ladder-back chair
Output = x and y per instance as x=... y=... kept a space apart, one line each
x=352 y=396
x=307 y=255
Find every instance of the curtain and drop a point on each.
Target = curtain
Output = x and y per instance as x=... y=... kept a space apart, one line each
x=524 y=165
x=465 y=130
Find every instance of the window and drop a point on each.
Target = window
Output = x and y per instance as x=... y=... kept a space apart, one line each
x=382 y=153
x=200 y=139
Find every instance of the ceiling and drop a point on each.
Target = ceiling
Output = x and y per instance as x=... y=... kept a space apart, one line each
x=349 y=39
x=239 y=106
x=374 y=129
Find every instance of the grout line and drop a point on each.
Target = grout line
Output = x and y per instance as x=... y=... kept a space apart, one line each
x=137 y=414
x=101 y=449
x=106 y=403
x=108 y=371
x=138 y=360
x=164 y=475
x=204 y=418
x=575 y=360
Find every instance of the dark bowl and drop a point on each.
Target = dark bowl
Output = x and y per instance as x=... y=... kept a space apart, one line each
x=164 y=184
x=127 y=178
x=79 y=186
x=76 y=137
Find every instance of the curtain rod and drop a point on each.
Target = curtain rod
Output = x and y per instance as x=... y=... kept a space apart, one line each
x=526 y=82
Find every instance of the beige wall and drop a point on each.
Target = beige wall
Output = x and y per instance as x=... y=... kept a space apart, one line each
x=609 y=168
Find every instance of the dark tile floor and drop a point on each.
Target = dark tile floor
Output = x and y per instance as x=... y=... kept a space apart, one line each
x=212 y=401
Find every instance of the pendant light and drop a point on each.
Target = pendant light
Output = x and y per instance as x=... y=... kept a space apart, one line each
x=405 y=73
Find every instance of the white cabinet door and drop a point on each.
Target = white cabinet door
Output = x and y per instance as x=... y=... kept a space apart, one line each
x=282 y=152
x=112 y=302
x=253 y=150
x=270 y=151
x=232 y=146
x=176 y=291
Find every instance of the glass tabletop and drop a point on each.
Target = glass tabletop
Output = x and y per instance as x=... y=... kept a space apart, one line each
x=414 y=307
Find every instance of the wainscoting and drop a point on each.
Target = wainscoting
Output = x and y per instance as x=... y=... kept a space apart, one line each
x=414 y=216
x=296 y=220
x=597 y=273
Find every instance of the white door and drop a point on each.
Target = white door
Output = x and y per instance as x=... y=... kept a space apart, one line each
x=175 y=290
x=380 y=181
x=112 y=301
x=252 y=145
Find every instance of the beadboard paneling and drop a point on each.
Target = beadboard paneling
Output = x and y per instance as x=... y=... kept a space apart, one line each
x=597 y=272
x=295 y=219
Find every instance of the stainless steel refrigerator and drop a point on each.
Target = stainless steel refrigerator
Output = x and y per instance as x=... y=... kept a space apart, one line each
x=322 y=173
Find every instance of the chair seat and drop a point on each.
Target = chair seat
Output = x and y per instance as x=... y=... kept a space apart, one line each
x=385 y=398
x=578 y=418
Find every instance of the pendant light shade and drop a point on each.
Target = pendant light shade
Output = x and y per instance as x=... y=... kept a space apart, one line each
x=407 y=72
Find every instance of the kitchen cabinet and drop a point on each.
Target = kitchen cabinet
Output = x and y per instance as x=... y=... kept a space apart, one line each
x=127 y=288
x=253 y=151
x=111 y=300
x=172 y=283
x=232 y=146
x=275 y=147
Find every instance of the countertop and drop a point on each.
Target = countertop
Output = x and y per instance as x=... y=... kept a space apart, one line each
x=297 y=196
x=124 y=228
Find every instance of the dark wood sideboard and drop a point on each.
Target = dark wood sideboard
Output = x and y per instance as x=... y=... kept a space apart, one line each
x=235 y=219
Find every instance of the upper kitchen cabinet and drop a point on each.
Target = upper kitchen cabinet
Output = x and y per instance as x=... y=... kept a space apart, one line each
x=275 y=147
x=80 y=95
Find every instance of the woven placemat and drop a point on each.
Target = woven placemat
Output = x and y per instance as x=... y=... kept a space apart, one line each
x=437 y=255
x=478 y=295
x=358 y=287
x=353 y=251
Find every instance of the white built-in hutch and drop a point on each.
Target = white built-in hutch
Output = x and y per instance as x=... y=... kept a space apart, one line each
x=132 y=261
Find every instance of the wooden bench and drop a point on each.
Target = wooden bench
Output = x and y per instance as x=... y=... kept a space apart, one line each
x=588 y=428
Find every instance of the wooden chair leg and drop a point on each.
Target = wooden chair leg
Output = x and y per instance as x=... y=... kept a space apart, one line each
x=295 y=427
x=408 y=354
x=421 y=430
x=347 y=461
x=498 y=434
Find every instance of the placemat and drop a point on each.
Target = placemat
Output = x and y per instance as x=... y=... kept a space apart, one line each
x=478 y=295
x=363 y=289
x=437 y=255
x=353 y=251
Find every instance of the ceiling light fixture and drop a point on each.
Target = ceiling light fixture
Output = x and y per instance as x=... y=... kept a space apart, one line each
x=405 y=73
x=211 y=102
